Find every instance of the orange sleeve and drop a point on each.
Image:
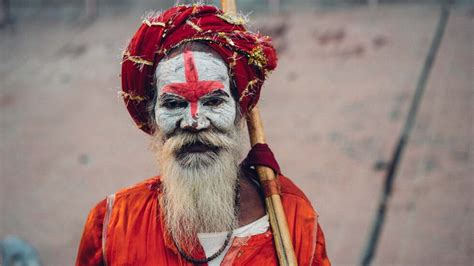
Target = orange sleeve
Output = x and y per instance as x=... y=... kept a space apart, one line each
x=90 y=249
x=320 y=257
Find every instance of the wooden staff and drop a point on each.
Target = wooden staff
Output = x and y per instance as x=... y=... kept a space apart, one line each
x=276 y=213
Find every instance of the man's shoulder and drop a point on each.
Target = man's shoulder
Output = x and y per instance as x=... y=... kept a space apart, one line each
x=146 y=189
x=293 y=196
x=288 y=188
x=152 y=184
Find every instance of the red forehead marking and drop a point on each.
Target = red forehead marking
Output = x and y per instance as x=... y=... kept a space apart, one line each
x=193 y=88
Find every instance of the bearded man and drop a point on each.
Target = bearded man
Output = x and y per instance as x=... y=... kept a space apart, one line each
x=189 y=76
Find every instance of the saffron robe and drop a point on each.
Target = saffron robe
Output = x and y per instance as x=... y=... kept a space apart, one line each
x=128 y=229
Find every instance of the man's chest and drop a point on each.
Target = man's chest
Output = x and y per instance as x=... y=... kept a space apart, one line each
x=142 y=249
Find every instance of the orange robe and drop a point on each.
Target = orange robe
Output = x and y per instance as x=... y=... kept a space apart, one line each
x=135 y=233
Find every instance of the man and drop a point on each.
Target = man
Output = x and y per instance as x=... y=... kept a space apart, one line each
x=189 y=76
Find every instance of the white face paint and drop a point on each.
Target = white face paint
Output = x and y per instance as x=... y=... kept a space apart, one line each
x=194 y=92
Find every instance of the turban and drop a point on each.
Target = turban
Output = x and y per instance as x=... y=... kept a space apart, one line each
x=249 y=56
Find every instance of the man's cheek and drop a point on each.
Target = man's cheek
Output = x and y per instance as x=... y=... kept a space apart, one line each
x=222 y=117
x=167 y=121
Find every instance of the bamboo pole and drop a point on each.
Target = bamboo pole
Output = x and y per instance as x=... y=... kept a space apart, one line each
x=229 y=7
x=276 y=213
x=281 y=233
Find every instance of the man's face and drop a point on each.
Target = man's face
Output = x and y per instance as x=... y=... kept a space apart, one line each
x=198 y=143
x=194 y=94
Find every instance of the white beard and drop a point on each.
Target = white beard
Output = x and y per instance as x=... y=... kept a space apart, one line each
x=199 y=188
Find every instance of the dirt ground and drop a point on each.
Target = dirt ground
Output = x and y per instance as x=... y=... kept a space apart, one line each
x=333 y=112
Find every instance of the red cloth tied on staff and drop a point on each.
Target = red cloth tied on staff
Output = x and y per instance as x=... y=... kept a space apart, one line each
x=249 y=56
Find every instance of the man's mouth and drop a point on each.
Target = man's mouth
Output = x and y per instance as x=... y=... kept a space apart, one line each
x=197 y=147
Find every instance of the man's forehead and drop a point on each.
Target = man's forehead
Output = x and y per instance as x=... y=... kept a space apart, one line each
x=208 y=66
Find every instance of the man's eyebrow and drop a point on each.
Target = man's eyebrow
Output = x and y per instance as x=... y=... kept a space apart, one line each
x=169 y=96
x=218 y=92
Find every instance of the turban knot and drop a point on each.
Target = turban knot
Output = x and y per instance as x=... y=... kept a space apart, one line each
x=249 y=56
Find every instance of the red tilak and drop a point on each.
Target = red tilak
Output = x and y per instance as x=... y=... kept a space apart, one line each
x=192 y=89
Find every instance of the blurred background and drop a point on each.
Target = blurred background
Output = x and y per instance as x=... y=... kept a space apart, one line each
x=370 y=112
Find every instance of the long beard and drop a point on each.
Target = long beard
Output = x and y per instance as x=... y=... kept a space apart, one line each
x=198 y=188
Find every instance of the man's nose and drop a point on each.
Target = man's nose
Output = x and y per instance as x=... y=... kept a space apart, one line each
x=193 y=120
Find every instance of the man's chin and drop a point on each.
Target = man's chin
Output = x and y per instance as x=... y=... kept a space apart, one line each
x=197 y=159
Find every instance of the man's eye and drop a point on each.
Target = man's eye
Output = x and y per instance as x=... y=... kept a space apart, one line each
x=174 y=104
x=213 y=102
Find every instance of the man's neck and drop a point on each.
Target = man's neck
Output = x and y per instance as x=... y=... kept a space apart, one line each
x=252 y=205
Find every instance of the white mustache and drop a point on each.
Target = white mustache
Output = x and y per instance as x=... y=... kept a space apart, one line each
x=210 y=138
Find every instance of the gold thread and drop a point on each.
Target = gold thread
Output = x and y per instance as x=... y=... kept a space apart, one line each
x=249 y=86
x=193 y=25
x=232 y=19
x=190 y=40
x=228 y=40
x=137 y=59
x=195 y=8
x=234 y=60
x=128 y=96
x=257 y=57
x=153 y=23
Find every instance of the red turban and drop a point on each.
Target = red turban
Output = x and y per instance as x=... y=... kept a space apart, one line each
x=249 y=56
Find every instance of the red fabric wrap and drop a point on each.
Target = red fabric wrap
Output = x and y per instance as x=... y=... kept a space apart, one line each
x=270 y=187
x=260 y=154
x=249 y=56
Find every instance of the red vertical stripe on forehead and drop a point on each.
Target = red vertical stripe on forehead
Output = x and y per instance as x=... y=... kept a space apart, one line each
x=193 y=88
x=189 y=67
